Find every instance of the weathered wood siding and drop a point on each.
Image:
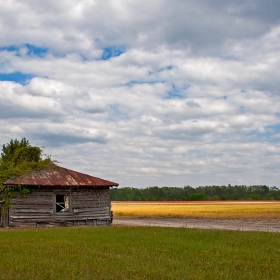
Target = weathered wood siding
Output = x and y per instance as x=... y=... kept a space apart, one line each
x=88 y=206
x=4 y=216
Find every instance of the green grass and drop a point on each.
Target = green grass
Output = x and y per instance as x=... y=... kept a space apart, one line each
x=138 y=253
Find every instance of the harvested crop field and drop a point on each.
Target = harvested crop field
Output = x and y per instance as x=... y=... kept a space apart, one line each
x=229 y=215
x=180 y=209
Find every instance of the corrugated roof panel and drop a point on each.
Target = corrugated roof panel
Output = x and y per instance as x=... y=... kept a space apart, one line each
x=80 y=178
x=44 y=179
x=64 y=177
x=58 y=176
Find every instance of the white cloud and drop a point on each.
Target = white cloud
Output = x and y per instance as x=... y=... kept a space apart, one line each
x=192 y=98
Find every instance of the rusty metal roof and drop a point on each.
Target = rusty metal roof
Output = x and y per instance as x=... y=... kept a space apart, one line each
x=58 y=176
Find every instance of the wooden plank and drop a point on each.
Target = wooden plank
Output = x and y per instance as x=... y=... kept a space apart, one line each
x=93 y=210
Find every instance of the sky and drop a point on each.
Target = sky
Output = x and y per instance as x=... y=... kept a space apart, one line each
x=146 y=93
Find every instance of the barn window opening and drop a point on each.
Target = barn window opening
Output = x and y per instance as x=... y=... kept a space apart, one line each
x=62 y=203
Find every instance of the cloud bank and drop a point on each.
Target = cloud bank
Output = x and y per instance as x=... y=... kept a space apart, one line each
x=170 y=93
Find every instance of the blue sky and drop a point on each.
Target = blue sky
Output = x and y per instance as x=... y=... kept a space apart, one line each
x=177 y=93
x=112 y=51
x=16 y=77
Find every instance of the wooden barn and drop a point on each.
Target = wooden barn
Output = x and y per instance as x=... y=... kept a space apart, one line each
x=59 y=197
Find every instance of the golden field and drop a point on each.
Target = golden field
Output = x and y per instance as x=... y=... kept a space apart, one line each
x=240 y=209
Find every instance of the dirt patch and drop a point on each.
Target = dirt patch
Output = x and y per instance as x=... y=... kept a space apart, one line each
x=268 y=225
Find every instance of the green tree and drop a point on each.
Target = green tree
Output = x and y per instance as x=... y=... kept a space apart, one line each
x=17 y=158
x=196 y=196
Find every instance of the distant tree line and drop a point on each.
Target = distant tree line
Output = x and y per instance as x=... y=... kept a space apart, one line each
x=237 y=192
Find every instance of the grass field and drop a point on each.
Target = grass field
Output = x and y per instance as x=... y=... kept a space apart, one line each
x=242 y=209
x=138 y=253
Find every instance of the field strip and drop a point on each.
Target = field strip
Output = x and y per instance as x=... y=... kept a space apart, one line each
x=244 y=209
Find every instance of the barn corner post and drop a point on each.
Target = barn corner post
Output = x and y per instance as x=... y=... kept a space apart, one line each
x=110 y=208
x=2 y=217
x=4 y=207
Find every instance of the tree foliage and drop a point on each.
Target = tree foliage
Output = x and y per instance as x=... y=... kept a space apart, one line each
x=17 y=158
x=237 y=192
